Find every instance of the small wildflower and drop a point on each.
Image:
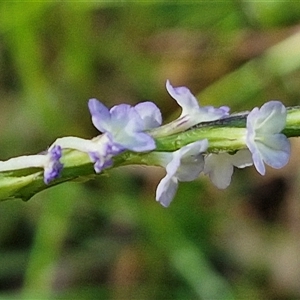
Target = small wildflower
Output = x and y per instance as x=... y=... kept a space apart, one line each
x=49 y=161
x=192 y=113
x=126 y=124
x=100 y=149
x=53 y=166
x=150 y=114
x=184 y=164
x=191 y=110
x=219 y=167
x=264 y=138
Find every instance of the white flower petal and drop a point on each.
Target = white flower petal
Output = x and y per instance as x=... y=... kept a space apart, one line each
x=184 y=98
x=166 y=190
x=222 y=178
x=100 y=115
x=126 y=124
x=272 y=117
x=150 y=114
x=192 y=161
x=174 y=164
x=242 y=159
x=190 y=168
x=258 y=162
x=264 y=139
x=209 y=113
x=219 y=169
x=124 y=118
x=184 y=164
x=275 y=150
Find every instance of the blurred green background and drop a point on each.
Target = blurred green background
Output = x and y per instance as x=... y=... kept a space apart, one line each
x=108 y=238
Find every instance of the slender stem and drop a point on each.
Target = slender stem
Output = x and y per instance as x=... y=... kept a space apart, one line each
x=22 y=177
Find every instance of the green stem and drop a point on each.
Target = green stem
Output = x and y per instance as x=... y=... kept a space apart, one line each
x=227 y=134
x=223 y=135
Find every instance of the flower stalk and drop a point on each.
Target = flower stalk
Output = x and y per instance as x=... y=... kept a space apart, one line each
x=134 y=135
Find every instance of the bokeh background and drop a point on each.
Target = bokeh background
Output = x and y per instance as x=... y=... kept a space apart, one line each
x=108 y=238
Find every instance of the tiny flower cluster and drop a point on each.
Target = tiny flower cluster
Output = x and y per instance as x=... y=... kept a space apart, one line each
x=134 y=128
x=264 y=144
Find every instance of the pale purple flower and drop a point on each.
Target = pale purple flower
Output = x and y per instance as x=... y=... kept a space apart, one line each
x=219 y=167
x=150 y=114
x=126 y=124
x=192 y=112
x=101 y=150
x=48 y=160
x=52 y=165
x=184 y=164
x=264 y=138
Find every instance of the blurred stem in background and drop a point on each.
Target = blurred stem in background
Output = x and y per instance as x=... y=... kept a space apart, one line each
x=244 y=84
x=185 y=257
x=52 y=230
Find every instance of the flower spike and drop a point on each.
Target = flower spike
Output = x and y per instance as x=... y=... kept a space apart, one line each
x=214 y=146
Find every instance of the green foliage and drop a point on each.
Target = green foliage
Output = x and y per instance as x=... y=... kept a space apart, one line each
x=108 y=238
